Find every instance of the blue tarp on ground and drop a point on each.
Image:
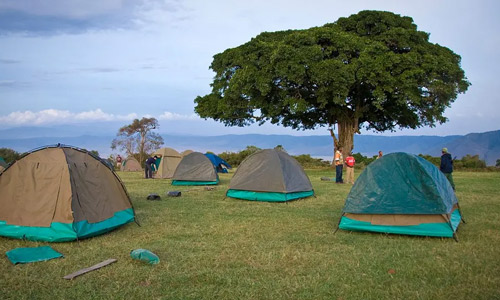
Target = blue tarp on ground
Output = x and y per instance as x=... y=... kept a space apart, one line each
x=32 y=254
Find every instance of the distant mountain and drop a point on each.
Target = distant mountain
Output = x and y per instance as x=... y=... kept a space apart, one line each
x=486 y=145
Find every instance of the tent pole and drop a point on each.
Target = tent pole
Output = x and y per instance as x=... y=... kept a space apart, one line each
x=338 y=224
x=461 y=215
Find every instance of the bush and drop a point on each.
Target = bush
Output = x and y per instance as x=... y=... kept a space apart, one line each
x=235 y=158
x=9 y=155
x=306 y=161
x=468 y=162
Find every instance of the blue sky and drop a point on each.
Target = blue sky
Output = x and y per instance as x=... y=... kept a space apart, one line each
x=103 y=63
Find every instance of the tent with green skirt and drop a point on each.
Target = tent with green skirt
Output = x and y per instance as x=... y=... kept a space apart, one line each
x=130 y=164
x=195 y=169
x=401 y=193
x=270 y=175
x=61 y=193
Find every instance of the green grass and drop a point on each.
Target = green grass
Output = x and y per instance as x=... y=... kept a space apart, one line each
x=213 y=247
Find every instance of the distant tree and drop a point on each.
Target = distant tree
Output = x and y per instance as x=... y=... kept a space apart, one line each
x=498 y=163
x=362 y=160
x=235 y=158
x=373 y=69
x=280 y=147
x=9 y=155
x=137 y=139
x=306 y=161
x=94 y=152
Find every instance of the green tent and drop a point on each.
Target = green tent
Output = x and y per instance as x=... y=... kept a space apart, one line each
x=61 y=193
x=195 y=169
x=402 y=193
x=270 y=175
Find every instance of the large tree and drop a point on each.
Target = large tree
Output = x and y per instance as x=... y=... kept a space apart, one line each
x=373 y=69
x=137 y=139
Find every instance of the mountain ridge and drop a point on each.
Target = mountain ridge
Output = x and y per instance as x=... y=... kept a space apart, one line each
x=486 y=145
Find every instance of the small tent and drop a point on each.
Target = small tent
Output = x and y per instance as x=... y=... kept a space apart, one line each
x=220 y=165
x=130 y=164
x=402 y=193
x=195 y=169
x=186 y=152
x=167 y=162
x=270 y=175
x=61 y=193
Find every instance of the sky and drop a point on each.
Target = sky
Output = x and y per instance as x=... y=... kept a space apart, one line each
x=104 y=63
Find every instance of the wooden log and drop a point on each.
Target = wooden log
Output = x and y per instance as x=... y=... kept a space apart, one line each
x=89 y=269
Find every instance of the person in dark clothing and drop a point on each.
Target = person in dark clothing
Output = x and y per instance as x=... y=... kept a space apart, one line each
x=447 y=166
x=150 y=165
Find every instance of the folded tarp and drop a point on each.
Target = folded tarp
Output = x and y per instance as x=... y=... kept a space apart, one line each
x=28 y=255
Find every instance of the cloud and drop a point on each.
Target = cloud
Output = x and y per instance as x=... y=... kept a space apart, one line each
x=48 y=17
x=54 y=116
x=169 y=116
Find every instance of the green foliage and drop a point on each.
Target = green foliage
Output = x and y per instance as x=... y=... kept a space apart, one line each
x=306 y=161
x=235 y=158
x=9 y=155
x=137 y=139
x=95 y=153
x=363 y=161
x=470 y=162
x=497 y=163
x=467 y=162
x=280 y=147
x=373 y=69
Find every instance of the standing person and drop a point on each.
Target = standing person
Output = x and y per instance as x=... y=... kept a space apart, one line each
x=349 y=162
x=379 y=154
x=150 y=164
x=119 y=162
x=447 y=166
x=339 y=164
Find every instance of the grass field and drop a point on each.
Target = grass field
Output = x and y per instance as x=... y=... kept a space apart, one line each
x=213 y=247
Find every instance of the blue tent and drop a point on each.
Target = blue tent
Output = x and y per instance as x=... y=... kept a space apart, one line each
x=220 y=165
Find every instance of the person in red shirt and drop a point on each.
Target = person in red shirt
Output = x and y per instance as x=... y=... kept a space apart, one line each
x=349 y=162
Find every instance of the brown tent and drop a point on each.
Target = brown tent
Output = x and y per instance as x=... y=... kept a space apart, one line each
x=270 y=175
x=130 y=165
x=61 y=193
x=195 y=169
x=169 y=159
x=186 y=152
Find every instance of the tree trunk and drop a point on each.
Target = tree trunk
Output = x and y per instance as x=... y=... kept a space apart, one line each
x=345 y=139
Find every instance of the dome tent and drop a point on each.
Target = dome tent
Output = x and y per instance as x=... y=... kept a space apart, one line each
x=61 y=193
x=195 y=169
x=186 y=152
x=130 y=164
x=270 y=175
x=402 y=193
x=220 y=165
x=167 y=162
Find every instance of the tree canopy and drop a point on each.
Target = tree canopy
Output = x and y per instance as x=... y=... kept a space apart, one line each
x=137 y=139
x=373 y=69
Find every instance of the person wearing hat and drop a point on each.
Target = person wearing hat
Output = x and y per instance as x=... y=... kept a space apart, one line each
x=447 y=166
x=150 y=165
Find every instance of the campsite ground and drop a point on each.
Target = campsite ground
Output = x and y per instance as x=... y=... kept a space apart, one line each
x=213 y=247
